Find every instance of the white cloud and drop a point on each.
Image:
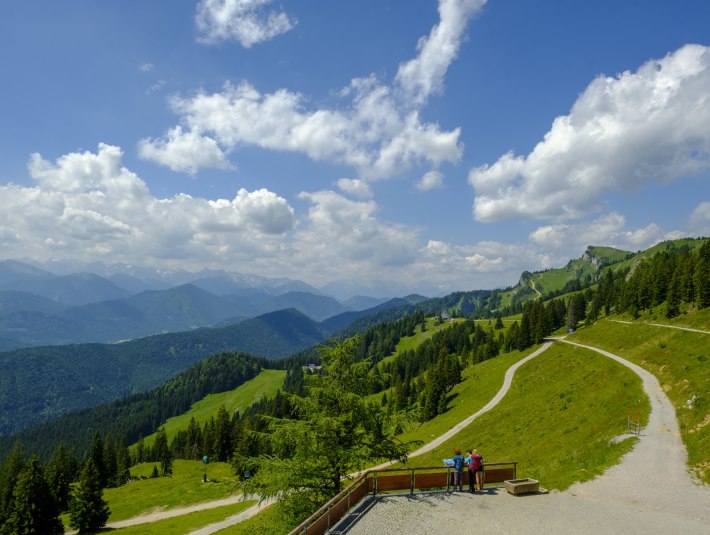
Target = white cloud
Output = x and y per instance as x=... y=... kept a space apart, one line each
x=341 y=238
x=431 y=180
x=699 y=222
x=377 y=131
x=423 y=75
x=145 y=67
x=184 y=151
x=87 y=205
x=248 y=22
x=607 y=230
x=622 y=133
x=370 y=136
x=355 y=186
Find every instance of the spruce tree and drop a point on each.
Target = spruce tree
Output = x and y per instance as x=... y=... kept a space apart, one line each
x=61 y=471
x=96 y=454
x=11 y=469
x=88 y=510
x=702 y=276
x=123 y=464
x=223 y=435
x=111 y=467
x=162 y=453
x=34 y=510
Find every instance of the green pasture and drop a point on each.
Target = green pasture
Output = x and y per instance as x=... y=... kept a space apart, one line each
x=557 y=420
x=180 y=525
x=681 y=362
x=263 y=385
x=433 y=326
x=185 y=487
x=270 y=521
x=480 y=383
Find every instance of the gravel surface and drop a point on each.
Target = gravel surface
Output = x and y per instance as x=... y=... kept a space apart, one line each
x=649 y=492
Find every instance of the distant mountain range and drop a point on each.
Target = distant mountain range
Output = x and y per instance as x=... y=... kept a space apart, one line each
x=38 y=307
x=40 y=383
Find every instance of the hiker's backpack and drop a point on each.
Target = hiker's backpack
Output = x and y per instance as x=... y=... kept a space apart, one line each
x=477 y=460
x=458 y=463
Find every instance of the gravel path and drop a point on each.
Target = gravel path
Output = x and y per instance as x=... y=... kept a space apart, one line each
x=234 y=519
x=507 y=381
x=649 y=492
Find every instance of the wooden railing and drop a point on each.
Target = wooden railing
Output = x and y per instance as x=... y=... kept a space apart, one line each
x=375 y=482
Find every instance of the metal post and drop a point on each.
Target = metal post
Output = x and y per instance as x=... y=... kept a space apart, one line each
x=411 y=483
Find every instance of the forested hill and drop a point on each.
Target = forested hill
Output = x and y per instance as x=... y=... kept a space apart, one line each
x=38 y=384
x=139 y=414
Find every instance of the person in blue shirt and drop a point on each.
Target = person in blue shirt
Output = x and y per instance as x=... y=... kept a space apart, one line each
x=459 y=465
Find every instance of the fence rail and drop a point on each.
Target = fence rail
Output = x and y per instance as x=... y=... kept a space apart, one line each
x=373 y=482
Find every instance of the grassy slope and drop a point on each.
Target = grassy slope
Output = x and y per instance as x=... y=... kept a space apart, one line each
x=185 y=487
x=561 y=410
x=263 y=385
x=681 y=362
x=186 y=523
x=433 y=326
x=480 y=384
x=557 y=419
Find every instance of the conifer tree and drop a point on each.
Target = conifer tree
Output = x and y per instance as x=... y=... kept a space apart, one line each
x=88 y=510
x=123 y=464
x=61 y=471
x=140 y=453
x=334 y=431
x=194 y=438
x=11 y=469
x=702 y=276
x=223 y=435
x=162 y=453
x=96 y=454
x=110 y=464
x=34 y=508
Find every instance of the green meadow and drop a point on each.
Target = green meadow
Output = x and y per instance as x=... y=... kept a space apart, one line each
x=262 y=386
x=679 y=359
x=185 y=523
x=557 y=420
x=480 y=383
x=185 y=487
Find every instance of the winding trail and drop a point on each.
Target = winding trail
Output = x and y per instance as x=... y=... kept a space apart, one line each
x=507 y=381
x=650 y=491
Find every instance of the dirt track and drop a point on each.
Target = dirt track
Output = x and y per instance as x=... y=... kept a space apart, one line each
x=649 y=492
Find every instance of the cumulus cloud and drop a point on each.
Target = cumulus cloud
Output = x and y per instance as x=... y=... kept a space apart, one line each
x=355 y=186
x=622 y=133
x=608 y=229
x=184 y=151
x=699 y=222
x=371 y=136
x=248 y=22
x=87 y=205
x=431 y=180
x=482 y=265
x=377 y=131
x=423 y=75
x=346 y=234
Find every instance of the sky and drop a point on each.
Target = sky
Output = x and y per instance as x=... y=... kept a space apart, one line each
x=396 y=145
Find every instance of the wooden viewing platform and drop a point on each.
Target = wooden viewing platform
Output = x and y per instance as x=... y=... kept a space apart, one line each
x=392 y=480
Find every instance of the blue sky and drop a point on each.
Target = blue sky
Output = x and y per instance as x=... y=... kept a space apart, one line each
x=405 y=146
